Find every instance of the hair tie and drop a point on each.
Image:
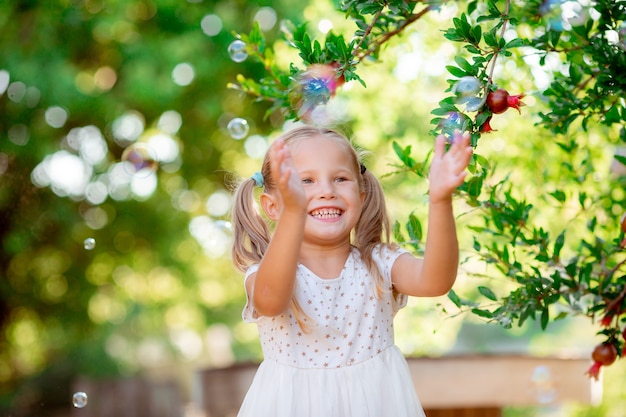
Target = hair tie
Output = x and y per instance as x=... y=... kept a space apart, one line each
x=363 y=169
x=258 y=179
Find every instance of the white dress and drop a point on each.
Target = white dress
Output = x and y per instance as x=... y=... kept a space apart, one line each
x=346 y=364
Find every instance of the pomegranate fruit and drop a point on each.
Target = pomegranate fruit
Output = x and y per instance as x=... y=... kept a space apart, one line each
x=623 y=223
x=486 y=127
x=500 y=100
x=607 y=319
x=603 y=354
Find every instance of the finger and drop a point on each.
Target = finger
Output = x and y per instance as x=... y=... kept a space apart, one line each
x=461 y=149
x=460 y=140
x=440 y=146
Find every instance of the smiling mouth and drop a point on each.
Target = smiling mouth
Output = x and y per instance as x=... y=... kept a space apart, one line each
x=326 y=213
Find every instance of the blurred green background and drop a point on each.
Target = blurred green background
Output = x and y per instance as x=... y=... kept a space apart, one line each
x=115 y=169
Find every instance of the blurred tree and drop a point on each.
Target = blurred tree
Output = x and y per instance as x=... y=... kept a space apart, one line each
x=105 y=105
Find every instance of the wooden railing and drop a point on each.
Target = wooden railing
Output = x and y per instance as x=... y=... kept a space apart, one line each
x=449 y=386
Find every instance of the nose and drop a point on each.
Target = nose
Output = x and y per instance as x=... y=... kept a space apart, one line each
x=326 y=189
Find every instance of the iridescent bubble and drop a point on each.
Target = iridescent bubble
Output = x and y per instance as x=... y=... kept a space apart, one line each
x=467 y=86
x=455 y=121
x=139 y=159
x=79 y=399
x=543 y=385
x=238 y=51
x=238 y=128
x=89 y=243
x=467 y=91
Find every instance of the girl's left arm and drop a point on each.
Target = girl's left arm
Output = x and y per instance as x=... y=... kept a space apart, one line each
x=435 y=274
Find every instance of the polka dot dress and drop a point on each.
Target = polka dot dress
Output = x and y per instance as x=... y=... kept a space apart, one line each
x=342 y=361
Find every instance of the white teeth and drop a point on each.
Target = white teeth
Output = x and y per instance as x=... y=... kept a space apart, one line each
x=326 y=213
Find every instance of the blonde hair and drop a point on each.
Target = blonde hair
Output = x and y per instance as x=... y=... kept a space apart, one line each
x=252 y=233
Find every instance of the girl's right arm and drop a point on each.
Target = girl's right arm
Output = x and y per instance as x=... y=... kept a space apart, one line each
x=271 y=287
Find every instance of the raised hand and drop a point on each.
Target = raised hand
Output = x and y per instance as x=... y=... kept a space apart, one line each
x=287 y=178
x=448 y=169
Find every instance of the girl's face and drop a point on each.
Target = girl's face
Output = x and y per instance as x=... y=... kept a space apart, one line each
x=331 y=185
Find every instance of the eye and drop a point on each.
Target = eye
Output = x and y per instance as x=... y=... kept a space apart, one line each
x=307 y=181
x=341 y=179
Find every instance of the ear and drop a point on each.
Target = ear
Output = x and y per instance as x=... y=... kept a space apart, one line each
x=270 y=206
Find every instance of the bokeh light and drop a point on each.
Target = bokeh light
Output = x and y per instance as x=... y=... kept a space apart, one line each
x=65 y=173
x=5 y=77
x=211 y=25
x=19 y=134
x=256 y=146
x=127 y=128
x=32 y=97
x=266 y=18
x=183 y=74
x=105 y=78
x=16 y=91
x=95 y=217
x=325 y=26
x=170 y=122
x=213 y=235
x=89 y=143
x=96 y=192
x=56 y=116
x=218 y=203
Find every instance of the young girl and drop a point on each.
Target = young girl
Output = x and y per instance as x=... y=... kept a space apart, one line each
x=323 y=284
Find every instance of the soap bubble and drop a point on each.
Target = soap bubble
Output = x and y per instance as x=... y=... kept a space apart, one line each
x=543 y=385
x=89 y=243
x=467 y=86
x=455 y=121
x=237 y=51
x=139 y=159
x=238 y=128
x=79 y=399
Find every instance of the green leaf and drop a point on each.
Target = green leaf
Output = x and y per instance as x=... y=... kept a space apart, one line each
x=558 y=195
x=477 y=33
x=621 y=159
x=558 y=245
x=482 y=313
x=545 y=318
x=514 y=43
x=612 y=116
x=487 y=293
x=465 y=65
x=457 y=72
x=454 y=298
x=397 y=232
x=414 y=228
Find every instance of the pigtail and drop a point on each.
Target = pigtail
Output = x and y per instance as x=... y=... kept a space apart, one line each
x=373 y=227
x=251 y=235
